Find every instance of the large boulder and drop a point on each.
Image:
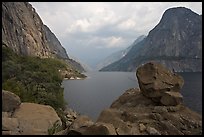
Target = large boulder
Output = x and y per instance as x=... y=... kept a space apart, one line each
x=156 y=109
x=10 y=101
x=156 y=81
x=35 y=119
x=135 y=114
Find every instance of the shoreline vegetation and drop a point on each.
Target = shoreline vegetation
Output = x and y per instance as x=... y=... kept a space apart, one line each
x=36 y=80
x=74 y=78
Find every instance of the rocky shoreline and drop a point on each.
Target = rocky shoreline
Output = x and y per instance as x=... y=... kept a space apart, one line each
x=74 y=78
x=155 y=108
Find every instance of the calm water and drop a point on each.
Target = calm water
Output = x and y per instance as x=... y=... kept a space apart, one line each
x=100 y=89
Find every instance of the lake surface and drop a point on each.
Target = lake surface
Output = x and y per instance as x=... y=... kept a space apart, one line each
x=100 y=89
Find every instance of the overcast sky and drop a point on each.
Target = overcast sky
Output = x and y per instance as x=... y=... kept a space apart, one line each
x=91 y=31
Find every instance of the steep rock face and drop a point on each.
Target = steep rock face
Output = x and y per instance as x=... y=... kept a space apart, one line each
x=76 y=65
x=175 y=42
x=24 y=32
x=54 y=44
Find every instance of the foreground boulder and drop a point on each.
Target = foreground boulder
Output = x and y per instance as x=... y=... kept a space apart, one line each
x=160 y=84
x=10 y=101
x=154 y=109
x=135 y=114
x=35 y=119
x=26 y=118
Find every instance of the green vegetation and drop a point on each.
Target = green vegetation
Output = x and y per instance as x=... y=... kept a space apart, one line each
x=33 y=79
x=55 y=128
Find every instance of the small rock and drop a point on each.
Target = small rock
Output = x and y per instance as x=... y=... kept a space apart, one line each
x=70 y=114
x=68 y=123
x=156 y=116
x=160 y=109
x=186 y=132
x=152 y=131
x=6 y=133
x=135 y=131
x=173 y=108
x=142 y=127
x=62 y=132
x=183 y=127
x=81 y=121
x=171 y=98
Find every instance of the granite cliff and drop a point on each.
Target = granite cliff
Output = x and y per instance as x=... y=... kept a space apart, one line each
x=176 y=42
x=24 y=32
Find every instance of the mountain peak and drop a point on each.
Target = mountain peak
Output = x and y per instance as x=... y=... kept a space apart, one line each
x=176 y=42
x=178 y=10
x=178 y=13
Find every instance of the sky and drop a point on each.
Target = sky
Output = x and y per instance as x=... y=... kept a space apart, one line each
x=90 y=31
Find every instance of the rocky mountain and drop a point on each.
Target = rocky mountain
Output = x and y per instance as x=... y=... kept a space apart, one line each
x=54 y=44
x=24 y=32
x=176 y=42
x=118 y=55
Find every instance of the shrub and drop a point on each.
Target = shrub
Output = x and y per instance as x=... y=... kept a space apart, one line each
x=33 y=79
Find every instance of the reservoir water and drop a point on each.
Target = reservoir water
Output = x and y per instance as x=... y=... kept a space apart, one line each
x=97 y=92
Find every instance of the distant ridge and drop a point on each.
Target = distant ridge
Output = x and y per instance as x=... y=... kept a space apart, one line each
x=176 y=42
